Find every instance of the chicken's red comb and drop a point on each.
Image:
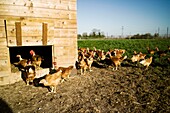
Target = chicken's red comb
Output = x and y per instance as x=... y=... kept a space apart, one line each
x=31 y=52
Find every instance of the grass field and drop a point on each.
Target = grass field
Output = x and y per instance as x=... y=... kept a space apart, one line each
x=130 y=45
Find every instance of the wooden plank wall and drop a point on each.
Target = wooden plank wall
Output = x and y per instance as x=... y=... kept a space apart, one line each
x=59 y=16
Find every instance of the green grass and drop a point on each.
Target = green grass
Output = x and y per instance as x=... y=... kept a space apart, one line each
x=130 y=45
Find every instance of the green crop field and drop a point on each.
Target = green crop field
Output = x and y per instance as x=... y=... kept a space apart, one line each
x=129 y=45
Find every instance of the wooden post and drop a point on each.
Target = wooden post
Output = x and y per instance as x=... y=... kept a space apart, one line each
x=6 y=34
x=44 y=34
x=18 y=33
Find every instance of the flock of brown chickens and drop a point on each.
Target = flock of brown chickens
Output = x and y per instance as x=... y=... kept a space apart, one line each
x=35 y=61
x=30 y=66
x=115 y=57
x=60 y=74
x=86 y=57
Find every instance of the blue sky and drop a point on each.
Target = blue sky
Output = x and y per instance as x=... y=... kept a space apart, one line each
x=136 y=16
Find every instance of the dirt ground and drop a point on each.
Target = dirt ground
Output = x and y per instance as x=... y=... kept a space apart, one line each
x=129 y=89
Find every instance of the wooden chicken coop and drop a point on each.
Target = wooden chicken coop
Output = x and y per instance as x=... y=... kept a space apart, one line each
x=37 y=24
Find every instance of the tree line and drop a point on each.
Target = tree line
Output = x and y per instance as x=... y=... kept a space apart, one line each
x=96 y=33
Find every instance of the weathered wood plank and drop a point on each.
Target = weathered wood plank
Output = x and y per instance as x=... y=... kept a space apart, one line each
x=65 y=33
x=40 y=1
x=28 y=31
x=3 y=41
x=4 y=68
x=4 y=58
x=2 y=31
x=3 y=55
x=51 y=6
x=1 y=22
x=72 y=6
x=12 y=2
x=35 y=12
x=10 y=31
x=18 y=33
x=36 y=40
x=32 y=30
x=64 y=42
x=44 y=33
x=56 y=4
x=26 y=20
x=70 y=24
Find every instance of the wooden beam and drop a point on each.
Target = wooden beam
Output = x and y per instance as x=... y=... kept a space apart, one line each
x=18 y=33
x=44 y=34
x=6 y=34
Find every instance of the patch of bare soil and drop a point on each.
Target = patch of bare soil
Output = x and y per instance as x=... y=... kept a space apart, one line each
x=126 y=90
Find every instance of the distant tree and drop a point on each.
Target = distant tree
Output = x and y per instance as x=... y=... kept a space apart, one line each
x=142 y=36
x=156 y=35
x=91 y=34
x=79 y=36
x=102 y=34
x=99 y=34
x=147 y=35
x=135 y=36
x=95 y=32
x=85 y=34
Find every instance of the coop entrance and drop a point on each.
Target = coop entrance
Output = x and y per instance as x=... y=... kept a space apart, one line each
x=44 y=51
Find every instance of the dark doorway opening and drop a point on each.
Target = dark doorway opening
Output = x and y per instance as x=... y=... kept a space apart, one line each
x=44 y=51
